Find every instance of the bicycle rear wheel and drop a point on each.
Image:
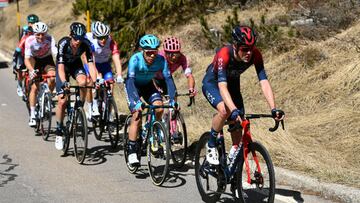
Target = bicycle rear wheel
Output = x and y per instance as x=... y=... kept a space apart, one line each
x=67 y=131
x=206 y=175
x=113 y=123
x=259 y=185
x=80 y=133
x=178 y=140
x=158 y=153
x=131 y=168
x=45 y=116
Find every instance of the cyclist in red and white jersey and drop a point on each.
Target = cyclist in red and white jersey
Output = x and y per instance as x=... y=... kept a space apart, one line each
x=221 y=85
x=39 y=51
x=104 y=49
x=175 y=59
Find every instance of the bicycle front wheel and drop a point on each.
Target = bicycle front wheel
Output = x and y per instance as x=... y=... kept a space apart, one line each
x=257 y=185
x=46 y=116
x=80 y=133
x=206 y=175
x=158 y=153
x=113 y=123
x=178 y=140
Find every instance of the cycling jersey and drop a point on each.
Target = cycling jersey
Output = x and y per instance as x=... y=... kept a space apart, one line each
x=182 y=61
x=140 y=76
x=102 y=53
x=36 y=49
x=225 y=68
x=65 y=54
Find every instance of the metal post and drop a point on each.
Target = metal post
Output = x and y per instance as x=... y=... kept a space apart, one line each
x=18 y=17
x=87 y=16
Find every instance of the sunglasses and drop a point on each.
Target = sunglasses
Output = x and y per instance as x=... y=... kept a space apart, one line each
x=171 y=54
x=39 y=34
x=151 y=52
x=246 y=48
x=102 y=38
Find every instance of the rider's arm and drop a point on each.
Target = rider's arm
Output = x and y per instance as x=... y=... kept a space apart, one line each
x=53 y=47
x=169 y=80
x=61 y=72
x=131 y=89
x=89 y=58
x=187 y=71
x=116 y=57
x=268 y=93
x=28 y=55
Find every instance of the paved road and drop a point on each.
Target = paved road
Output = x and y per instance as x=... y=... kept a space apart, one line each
x=32 y=170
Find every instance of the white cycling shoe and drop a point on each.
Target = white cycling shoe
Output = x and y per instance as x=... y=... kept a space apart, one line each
x=32 y=122
x=212 y=155
x=59 y=143
x=133 y=159
x=19 y=91
x=95 y=111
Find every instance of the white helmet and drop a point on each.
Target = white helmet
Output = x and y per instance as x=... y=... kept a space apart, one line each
x=39 y=27
x=100 y=30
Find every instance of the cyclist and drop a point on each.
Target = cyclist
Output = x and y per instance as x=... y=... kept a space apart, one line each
x=68 y=60
x=18 y=56
x=39 y=49
x=221 y=84
x=142 y=68
x=103 y=47
x=175 y=59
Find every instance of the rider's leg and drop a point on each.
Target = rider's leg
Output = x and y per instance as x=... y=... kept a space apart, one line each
x=81 y=81
x=133 y=132
x=32 y=103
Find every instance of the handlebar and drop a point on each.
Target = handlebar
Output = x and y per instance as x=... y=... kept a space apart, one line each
x=191 y=99
x=254 y=116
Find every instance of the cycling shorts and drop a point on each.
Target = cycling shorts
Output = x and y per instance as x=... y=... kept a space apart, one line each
x=105 y=70
x=148 y=92
x=71 y=69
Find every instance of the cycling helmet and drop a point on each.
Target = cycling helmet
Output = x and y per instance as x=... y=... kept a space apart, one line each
x=149 y=42
x=172 y=44
x=77 y=29
x=244 y=35
x=32 y=18
x=93 y=25
x=101 y=30
x=39 y=27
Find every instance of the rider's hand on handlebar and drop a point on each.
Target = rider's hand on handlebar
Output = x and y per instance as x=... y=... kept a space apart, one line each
x=277 y=114
x=174 y=104
x=33 y=74
x=192 y=92
x=236 y=115
x=119 y=79
x=99 y=82
x=138 y=106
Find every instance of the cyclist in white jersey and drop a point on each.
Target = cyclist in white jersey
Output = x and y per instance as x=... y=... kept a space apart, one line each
x=103 y=48
x=39 y=51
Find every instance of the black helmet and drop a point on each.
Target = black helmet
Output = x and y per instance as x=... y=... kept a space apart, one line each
x=32 y=18
x=244 y=35
x=77 y=30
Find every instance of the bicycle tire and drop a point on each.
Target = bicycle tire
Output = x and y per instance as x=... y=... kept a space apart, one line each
x=80 y=133
x=46 y=116
x=157 y=151
x=178 y=147
x=205 y=172
x=265 y=191
x=131 y=169
x=113 y=123
x=67 y=130
x=99 y=123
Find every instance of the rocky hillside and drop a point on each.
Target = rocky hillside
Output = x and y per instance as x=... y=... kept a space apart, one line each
x=317 y=84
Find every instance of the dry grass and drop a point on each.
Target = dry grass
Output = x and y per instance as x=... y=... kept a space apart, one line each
x=322 y=101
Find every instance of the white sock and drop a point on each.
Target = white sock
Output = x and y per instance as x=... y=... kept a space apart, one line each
x=95 y=103
x=32 y=111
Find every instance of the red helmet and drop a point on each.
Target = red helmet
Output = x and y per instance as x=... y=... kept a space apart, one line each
x=244 y=35
x=172 y=44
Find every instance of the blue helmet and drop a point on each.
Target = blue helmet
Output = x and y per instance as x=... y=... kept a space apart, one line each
x=149 y=42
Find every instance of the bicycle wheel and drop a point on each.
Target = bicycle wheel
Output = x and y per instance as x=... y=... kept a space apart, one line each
x=68 y=129
x=178 y=140
x=99 y=123
x=45 y=116
x=259 y=185
x=113 y=123
x=80 y=135
x=131 y=169
x=158 y=153
x=206 y=175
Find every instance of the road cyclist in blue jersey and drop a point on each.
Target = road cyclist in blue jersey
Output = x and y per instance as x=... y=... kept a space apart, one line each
x=139 y=83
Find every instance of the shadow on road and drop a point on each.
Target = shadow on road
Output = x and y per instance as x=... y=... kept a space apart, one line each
x=4 y=64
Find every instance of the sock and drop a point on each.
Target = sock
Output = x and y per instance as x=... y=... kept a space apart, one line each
x=132 y=147
x=32 y=111
x=213 y=136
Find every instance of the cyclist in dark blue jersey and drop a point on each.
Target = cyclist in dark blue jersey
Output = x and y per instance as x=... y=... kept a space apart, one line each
x=69 y=63
x=221 y=84
x=139 y=83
